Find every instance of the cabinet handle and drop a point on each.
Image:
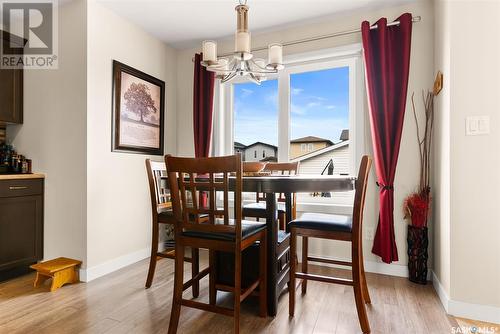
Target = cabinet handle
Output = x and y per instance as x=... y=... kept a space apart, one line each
x=17 y=187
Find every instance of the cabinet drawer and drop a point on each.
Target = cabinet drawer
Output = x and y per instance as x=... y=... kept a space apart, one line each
x=13 y=188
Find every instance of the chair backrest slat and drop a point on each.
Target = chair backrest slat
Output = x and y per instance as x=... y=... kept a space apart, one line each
x=282 y=168
x=279 y=168
x=359 y=197
x=203 y=179
x=159 y=192
x=226 y=199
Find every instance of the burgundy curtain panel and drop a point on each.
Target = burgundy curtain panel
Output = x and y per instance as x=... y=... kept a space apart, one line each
x=387 y=61
x=203 y=106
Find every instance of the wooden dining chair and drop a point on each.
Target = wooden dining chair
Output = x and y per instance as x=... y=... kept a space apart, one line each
x=334 y=227
x=257 y=209
x=161 y=213
x=221 y=232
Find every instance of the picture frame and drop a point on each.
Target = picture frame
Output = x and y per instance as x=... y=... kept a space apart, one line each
x=138 y=111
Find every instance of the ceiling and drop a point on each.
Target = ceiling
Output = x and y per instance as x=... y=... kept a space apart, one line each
x=184 y=23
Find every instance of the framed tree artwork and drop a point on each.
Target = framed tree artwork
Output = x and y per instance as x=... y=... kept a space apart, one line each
x=138 y=111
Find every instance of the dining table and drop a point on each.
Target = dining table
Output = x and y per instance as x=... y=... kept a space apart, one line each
x=271 y=185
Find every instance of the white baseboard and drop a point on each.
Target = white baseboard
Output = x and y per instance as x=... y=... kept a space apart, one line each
x=89 y=274
x=465 y=310
x=386 y=269
x=474 y=311
x=398 y=270
x=441 y=292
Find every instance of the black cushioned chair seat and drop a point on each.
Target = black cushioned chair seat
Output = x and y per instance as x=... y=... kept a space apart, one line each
x=325 y=222
x=262 y=206
x=248 y=228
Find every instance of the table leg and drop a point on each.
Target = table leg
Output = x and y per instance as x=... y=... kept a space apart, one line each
x=272 y=264
x=288 y=207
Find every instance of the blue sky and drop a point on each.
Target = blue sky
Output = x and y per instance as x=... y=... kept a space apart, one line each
x=319 y=107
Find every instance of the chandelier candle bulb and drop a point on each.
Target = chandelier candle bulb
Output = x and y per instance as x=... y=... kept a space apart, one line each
x=209 y=51
x=275 y=54
x=242 y=42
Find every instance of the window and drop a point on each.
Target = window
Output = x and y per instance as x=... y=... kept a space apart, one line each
x=255 y=117
x=302 y=112
x=319 y=111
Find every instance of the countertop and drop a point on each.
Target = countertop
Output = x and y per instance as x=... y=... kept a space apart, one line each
x=21 y=176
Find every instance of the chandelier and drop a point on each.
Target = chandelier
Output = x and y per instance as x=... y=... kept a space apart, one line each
x=242 y=63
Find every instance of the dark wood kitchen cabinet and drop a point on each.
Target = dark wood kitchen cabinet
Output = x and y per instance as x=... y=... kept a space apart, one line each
x=21 y=222
x=11 y=86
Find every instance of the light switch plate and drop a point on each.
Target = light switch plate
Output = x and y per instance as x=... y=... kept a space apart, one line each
x=477 y=125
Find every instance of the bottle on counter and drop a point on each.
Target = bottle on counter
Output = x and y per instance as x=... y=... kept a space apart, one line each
x=29 y=164
x=12 y=162
x=24 y=165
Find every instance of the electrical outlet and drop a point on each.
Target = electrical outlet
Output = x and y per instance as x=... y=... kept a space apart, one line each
x=370 y=234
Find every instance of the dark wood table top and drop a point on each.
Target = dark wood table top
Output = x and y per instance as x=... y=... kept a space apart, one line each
x=295 y=183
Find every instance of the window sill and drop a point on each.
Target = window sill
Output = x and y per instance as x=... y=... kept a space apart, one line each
x=331 y=208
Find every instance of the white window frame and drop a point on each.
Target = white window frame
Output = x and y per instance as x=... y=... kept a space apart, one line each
x=349 y=56
x=321 y=60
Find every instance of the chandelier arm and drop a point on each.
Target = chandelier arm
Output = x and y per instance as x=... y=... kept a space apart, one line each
x=226 y=72
x=260 y=69
x=229 y=77
x=262 y=72
x=254 y=78
x=221 y=65
x=211 y=69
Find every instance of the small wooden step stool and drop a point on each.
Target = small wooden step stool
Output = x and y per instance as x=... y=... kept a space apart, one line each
x=62 y=271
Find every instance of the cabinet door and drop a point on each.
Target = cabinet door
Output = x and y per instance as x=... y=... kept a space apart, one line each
x=20 y=230
x=11 y=95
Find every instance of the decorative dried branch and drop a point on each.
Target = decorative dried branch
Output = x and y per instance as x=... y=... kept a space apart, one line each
x=419 y=142
x=425 y=141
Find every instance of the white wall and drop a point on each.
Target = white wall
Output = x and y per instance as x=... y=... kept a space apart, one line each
x=421 y=77
x=475 y=179
x=441 y=149
x=53 y=135
x=118 y=208
x=468 y=245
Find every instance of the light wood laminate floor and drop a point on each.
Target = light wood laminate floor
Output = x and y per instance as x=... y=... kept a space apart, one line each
x=118 y=303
